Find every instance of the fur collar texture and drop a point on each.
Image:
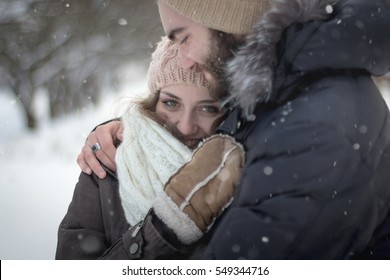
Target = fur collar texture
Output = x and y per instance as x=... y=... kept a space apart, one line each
x=251 y=71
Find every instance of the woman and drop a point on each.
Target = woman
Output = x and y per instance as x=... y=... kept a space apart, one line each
x=159 y=135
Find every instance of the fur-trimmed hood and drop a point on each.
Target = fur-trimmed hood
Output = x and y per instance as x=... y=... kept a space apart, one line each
x=296 y=37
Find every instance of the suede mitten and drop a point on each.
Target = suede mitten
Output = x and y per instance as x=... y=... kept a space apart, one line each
x=200 y=190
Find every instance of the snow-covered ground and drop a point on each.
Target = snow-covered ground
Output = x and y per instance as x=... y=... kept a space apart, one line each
x=39 y=172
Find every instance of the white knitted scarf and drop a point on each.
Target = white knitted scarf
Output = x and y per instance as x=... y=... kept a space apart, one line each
x=146 y=159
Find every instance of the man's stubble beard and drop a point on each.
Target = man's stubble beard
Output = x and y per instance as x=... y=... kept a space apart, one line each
x=222 y=48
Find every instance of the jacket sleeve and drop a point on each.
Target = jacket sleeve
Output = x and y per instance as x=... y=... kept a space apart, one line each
x=292 y=196
x=95 y=228
x=81 y=233
x=147 y=240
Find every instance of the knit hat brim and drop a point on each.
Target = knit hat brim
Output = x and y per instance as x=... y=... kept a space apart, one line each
x=230 y=16
x=165 y=69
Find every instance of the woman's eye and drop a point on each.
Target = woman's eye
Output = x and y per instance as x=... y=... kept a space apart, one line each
x=170 y=103
x=210 y=110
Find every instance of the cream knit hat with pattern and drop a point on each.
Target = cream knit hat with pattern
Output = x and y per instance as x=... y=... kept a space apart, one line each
x=165 y=69
x=230 y=16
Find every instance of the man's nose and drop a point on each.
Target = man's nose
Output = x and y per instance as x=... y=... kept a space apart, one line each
x=186 y=62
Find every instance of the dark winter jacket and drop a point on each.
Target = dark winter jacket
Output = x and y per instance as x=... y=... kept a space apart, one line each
x=316 y=184
x=95 y=226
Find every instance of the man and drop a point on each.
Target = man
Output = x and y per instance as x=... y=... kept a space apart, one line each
x=315 y=128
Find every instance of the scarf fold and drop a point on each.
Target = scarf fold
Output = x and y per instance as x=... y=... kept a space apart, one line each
x=146 y=159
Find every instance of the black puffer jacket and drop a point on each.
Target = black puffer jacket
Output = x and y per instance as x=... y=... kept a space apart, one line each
x=316 y=184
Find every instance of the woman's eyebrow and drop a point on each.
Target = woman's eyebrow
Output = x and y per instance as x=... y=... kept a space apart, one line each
x=208 y=101
x=171 y=95
x=203 y=101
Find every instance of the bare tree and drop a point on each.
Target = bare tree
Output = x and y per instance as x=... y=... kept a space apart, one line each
x=71 y=48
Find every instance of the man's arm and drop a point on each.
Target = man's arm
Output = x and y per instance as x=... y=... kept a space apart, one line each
x=292 y=198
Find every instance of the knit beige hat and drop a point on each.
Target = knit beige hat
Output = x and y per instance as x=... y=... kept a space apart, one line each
x=230 y=16
x=165 y=69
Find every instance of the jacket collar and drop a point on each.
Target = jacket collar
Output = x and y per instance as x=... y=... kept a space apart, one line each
x=232 y=123
x=251 y=72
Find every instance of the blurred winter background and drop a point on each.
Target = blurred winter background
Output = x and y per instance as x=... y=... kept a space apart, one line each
x=64 y=66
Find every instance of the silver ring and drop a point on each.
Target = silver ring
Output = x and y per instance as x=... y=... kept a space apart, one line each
x=95 y=147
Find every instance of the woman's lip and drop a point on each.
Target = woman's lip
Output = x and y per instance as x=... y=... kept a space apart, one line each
x=192 y=142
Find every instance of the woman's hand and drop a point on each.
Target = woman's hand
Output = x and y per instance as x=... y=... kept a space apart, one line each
x=100 y=149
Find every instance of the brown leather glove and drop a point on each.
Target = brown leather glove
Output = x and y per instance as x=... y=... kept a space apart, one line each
x=199 y=191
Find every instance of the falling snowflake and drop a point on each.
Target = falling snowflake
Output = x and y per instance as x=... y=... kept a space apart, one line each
x=329 y=9
x=122 y=22
x=363 y=129
x=356 y=146
x=268 y=170
x=265 y=239
x=236 y=248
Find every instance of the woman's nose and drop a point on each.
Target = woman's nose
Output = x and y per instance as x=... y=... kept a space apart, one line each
x=187 y=126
